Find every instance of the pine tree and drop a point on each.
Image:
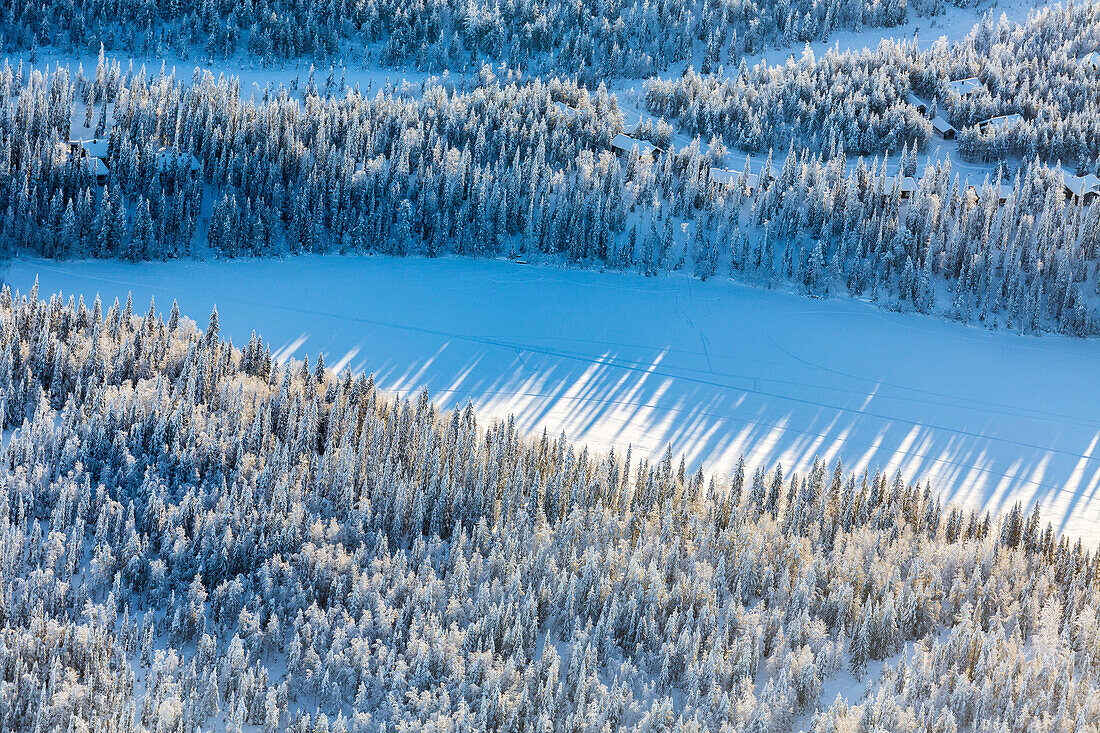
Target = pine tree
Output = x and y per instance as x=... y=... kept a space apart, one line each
x=212 y=327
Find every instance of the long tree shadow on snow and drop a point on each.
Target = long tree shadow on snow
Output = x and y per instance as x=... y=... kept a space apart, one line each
x=714 y=370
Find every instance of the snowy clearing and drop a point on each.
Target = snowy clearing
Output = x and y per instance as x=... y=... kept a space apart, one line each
x=254 y=77
x=713 y=369
x=951 y=27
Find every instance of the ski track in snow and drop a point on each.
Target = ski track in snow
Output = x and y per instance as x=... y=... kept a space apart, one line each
x=711 y=369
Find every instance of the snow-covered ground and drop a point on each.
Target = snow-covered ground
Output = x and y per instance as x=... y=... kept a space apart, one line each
x=713 y=369
x=254 y=76
x=952 y=26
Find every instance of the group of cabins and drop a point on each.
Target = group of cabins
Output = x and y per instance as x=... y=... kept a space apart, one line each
x=941 y=126
x=907 y=186
x=963 y=88
x=92 y=153
x=623 y=143
x=1083 y=189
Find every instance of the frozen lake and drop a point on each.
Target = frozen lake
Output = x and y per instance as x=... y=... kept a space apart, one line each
x=713 y=369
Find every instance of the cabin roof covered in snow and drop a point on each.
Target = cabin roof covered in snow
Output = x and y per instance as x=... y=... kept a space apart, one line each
x=94 y=147
x=1004 y=190
x=729 y=177
x=966 y=86
x=941 y=125
x=907 y=184
x=565 y=109
x=1001 y=121
x=916 y=101
x=1087 y=185
x=95 y=166
x=625 y=143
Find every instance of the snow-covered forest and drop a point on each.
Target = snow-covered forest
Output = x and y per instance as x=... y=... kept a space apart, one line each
x=200 y=535
x=609 y=38
x=519 y=166
x=859 y=102
x=195 y=535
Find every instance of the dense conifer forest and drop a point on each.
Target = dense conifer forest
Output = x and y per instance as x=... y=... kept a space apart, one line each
x=197 y=535
x=194 y=535
x=512 y=165
x=601 y=39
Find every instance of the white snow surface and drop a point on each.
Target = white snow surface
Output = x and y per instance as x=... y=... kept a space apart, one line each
x=712 y=369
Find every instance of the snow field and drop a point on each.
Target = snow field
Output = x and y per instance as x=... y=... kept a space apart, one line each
x=711 y=370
